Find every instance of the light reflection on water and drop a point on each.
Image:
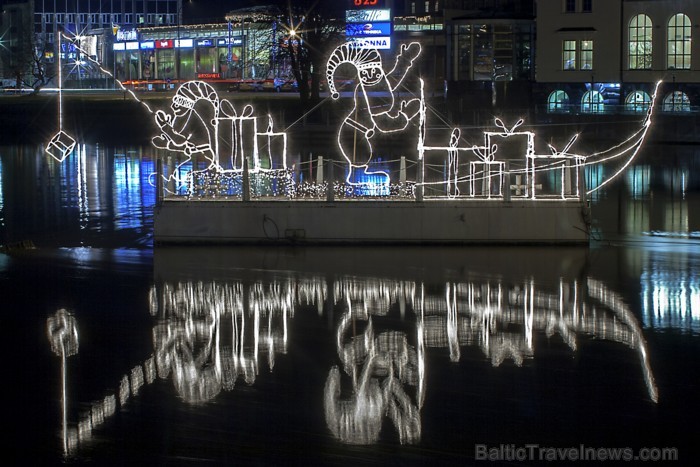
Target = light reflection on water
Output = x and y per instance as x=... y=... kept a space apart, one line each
x=390 y=331
x=671 y=293
x=222 y=331
x=97 y=197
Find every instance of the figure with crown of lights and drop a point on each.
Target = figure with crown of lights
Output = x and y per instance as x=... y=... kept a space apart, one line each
x=377 y=107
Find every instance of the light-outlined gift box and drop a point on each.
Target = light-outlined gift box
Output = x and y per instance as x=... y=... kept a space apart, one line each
x=60 y=146
x=238 y=136
x=506 y=145
x=566 y=171
x=486 y=178
x=272 y=147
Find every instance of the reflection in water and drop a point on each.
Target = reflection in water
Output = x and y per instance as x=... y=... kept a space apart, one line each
x=380 y=365
x=638 y=181
x=658 y=203
x=671 y=296
x=94 y=190
x=63 y=336
x=208 y=336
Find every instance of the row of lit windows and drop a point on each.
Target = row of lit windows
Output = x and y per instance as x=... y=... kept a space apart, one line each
x=578 y=54
x=426 y=7
x=104 y=19
x=637 y=101
x=678 y=42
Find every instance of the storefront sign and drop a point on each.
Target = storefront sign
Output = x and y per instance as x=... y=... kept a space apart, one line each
x=381 y=43
x=132 y=46
x=148 y=45
x=367 y=29
x=184 y=43
x=235 y=41
x=367 y=3
x=366 y=16
x=164 y=44
x=119 y=46
x=208 y=75
x=205 y=43
x=127 y=35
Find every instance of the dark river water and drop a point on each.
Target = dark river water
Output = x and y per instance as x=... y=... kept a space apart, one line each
x=122 y=353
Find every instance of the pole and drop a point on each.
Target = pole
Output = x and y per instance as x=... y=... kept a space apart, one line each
x=177 y=43
x=159 y=181
x=319 y=170
x=246 y=180
x=402 y=170
x=330 y=191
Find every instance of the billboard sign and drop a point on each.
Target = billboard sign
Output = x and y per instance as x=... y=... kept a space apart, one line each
x=367 y=29
x=367 y=16
x=380 y=43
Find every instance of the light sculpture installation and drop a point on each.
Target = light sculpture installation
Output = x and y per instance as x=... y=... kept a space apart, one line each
x=61 y=144
x=201 y=124
x=375 y=109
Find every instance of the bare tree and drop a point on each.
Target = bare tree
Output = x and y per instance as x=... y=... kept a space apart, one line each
x=313 y=29
x=23 y=57
x=300 y=39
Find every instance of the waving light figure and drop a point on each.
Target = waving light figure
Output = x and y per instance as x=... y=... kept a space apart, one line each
x=375 y=108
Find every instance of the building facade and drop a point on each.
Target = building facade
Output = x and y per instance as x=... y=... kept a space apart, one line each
x=597 y=56
x=16 y=52
x=92 y=26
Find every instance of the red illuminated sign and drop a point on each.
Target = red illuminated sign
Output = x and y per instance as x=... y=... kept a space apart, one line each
x=164 y=44
x=366 y=2
x=208 y=75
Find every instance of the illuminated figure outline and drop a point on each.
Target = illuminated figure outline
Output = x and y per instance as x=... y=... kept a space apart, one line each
x=198 y=125
x=64 y=143
x=371 y=113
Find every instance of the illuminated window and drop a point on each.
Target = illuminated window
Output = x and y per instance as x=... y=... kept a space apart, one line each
x=678 y=43
x=637 y=101
x=677 y=101
x=413 y=8
x=427 y=6
x=587 y=6
x=583 y=50
x=558 y=101
x=640 y=32
x=569 y=55
x=586 y=55
x=592 y=102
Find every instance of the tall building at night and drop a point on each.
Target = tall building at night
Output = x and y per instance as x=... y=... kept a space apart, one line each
x=94 y=24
